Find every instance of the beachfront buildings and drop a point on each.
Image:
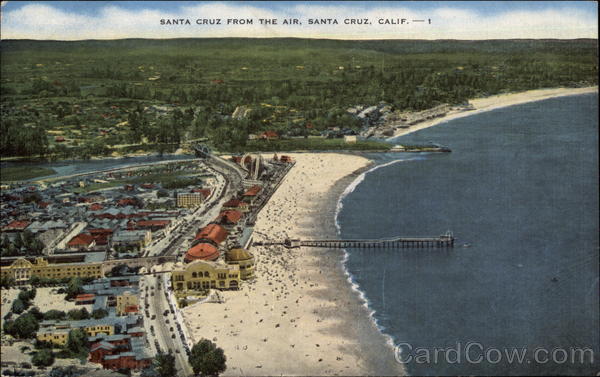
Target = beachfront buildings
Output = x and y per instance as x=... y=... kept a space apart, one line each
x=244 y=260
x=55 y=267
x=203 y=275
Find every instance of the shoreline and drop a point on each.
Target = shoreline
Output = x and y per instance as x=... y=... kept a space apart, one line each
x=495 y=102
x=302 y=308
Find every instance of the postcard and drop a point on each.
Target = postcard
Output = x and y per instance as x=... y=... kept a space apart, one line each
x=303 y=188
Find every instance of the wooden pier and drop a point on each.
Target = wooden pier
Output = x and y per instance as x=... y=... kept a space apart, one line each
x=443 y=241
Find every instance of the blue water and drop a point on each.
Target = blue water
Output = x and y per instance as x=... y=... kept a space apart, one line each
x=521 y=187
x=69 y=167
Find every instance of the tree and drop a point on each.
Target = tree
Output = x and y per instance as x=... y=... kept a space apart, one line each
x=43 y=358
x=25 y=326
x=37 y=313
x=77 y=342
x=18 y=306
x=57 y=315
x=78 y=314
x=74 y=288
x=7 y=281
x=164 y=364
x=206 y=358
x=99 y=313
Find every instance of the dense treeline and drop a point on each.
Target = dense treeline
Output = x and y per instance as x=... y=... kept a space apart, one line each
x=288 y=83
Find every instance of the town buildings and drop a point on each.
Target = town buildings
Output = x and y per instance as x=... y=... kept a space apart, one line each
x=203 y=275
x=55 y=267
x=243 y=259
x=187 y=200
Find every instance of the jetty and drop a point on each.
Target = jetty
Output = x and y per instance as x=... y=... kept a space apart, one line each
x=444 y=241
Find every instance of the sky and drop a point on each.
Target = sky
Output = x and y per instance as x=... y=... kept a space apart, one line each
x=76 y=20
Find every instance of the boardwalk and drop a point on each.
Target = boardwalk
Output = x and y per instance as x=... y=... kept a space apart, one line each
x=443 y=241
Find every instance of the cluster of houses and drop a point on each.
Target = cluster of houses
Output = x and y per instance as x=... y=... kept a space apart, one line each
x=217 y=258
x=118 y=340
x=119 y=220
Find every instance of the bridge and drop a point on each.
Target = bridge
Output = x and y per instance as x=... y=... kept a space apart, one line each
x=443 y=241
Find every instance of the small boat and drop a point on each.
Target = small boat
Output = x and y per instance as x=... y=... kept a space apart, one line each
x=466 y=245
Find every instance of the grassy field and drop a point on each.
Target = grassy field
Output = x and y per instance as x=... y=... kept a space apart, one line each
x=313 y=144
x=163 y=178
x=21 y=173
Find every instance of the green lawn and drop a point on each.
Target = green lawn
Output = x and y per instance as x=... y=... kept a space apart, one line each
x=162 y=178
x=313 y=144
x=21 y=173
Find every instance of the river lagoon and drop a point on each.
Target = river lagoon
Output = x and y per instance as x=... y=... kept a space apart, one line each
x=520 y=193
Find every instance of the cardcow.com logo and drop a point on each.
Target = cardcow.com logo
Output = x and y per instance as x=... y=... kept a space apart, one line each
x=476 y=353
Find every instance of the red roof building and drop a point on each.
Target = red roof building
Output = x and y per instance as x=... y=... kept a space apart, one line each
x=204 y=251
x=236 y=204
x=153 y=225
x=101 y=349
x=212 y=232
x=96 y=207
x=98 y=231
x=59 y=139
x=126 y=360
x=127 y=202
x=82 y=241
x=16 y=226
x=229 y=217
x=85 y=299
x=269 y=135
x=252 y=191
x=205 y=192
x=147 y=185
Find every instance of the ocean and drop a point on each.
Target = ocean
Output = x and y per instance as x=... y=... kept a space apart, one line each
x=520 y=194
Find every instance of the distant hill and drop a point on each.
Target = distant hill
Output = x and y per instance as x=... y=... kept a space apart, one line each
x=97 y=93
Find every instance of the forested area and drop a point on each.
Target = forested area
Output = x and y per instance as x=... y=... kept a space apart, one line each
x=89 y=97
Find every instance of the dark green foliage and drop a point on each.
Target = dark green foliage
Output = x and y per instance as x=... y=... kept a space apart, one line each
x=74 y=288
x=36 y=313
x=99 y=313
x=206 y=358
x=27 y=295
x=42 y=344
x=23 y=327
x=7 y=281
x=78 y=314
x=70 y=371
x=57 y=315
x=18 y=306
x=37 y=281
x=25 y=243
x=43 y=358
x=77 y=342
x=164 y=364
x=86 y=88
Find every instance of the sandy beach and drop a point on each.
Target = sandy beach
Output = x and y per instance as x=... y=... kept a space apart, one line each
x=300 y=316
x=496 y=102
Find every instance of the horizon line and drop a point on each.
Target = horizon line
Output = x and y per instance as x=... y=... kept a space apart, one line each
x=311 y=38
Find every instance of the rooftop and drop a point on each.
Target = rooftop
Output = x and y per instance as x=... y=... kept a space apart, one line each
x=204 y=251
